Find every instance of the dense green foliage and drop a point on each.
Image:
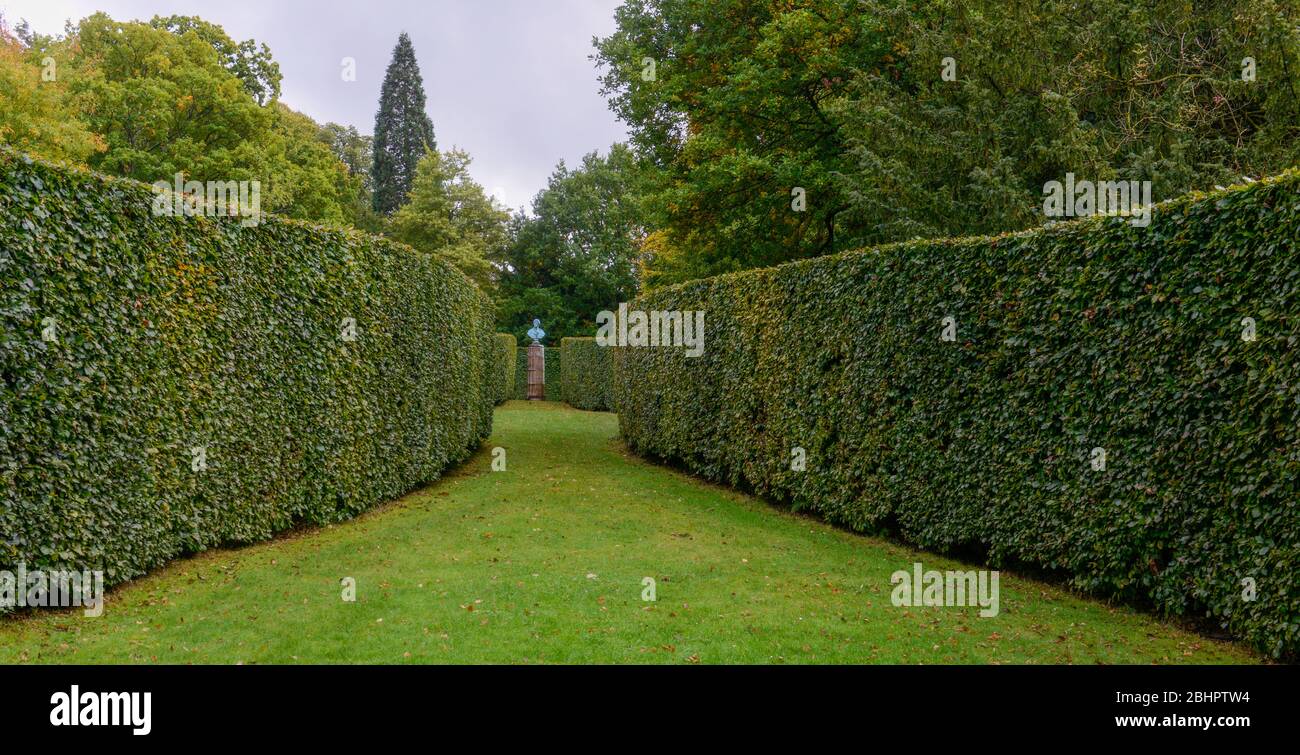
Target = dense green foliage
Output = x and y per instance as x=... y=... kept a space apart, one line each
x=576 y=255
x=35 y=113
x=403 y=131
x=314 y=184
x=506 y=349
x=554 y=385
x=168 y=384
x=448 y=213
x=587 y=376
x=176 y=95
x=249 y=61
x=164 y=103
x=743 y=101
x=1087 y=335
x=354 y=150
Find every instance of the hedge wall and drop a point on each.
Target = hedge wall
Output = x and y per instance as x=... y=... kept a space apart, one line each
x=127 y=341
x=1090 y=334
x=588 y=376
x=504 y=370
x=554 y=388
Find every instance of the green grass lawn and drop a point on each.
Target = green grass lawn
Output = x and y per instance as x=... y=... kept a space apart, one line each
x=543 y=563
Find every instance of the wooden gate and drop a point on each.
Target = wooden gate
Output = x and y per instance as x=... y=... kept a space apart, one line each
x=536 y=372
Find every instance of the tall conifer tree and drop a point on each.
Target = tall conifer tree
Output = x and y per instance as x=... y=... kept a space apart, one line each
x=403 y=131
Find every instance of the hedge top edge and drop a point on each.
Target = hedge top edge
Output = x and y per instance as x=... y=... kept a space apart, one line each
x=1076 y=225
x=131 y=184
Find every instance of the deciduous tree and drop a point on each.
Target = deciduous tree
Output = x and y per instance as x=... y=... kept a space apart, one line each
x=450 y=215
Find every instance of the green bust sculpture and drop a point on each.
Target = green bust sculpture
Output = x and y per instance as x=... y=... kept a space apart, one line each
x=536 y=333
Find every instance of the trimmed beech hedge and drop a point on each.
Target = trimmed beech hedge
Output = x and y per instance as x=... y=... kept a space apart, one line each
x=554 y=388
x=171 y=334
x=588 y=374
x=1090 y=334
x=504 y=370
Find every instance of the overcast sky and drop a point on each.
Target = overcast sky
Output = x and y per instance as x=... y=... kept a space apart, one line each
x=508 y=80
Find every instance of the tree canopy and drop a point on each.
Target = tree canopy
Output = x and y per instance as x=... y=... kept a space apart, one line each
x=450 y=215
x=403 y=130
x=178 y=95
x=577 y=254
x=743 y=105
x=36 y=112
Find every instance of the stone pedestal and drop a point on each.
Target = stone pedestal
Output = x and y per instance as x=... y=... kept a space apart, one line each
x=536 y=372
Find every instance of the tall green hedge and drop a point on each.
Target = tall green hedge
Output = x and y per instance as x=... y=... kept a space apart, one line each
x=588 y=374
x=504 y=370
x=128 y=340
x=552 y=357
x=1090 y=334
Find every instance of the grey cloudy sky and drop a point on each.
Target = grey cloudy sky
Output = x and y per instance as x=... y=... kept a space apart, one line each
x=507 y=80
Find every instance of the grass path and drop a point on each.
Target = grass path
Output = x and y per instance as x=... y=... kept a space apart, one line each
x=544 y=563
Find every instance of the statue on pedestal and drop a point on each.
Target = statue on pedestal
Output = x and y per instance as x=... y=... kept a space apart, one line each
x=536 y=333
x=536 y=363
